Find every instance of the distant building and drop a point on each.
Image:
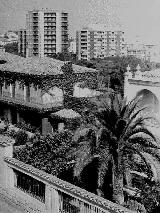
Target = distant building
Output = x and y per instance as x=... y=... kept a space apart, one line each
x=137 y=50
x=153 y=53
x=147 y=52
x=47 y=32
x=22 y=43
x=8 y=37
x=96 y=41
x=72 y=46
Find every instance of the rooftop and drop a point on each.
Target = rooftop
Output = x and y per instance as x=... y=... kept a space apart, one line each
x=66 y=113
x=35 y=65
x=46 y=10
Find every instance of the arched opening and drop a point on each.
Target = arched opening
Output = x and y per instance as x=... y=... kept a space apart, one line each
x=149 y=100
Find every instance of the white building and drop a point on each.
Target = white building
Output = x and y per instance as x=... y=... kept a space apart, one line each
x=96 y=41
x=47 y=32
x=72 y=46
x=149 y=52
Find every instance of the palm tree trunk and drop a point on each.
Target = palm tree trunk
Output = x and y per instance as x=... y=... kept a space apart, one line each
x=117 y=182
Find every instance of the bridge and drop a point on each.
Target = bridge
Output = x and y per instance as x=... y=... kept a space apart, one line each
x=147 y=85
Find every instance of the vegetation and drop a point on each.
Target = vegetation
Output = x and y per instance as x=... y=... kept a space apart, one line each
x=118 y=131
x=48 y=153
x=100 y=152
x=12 y=48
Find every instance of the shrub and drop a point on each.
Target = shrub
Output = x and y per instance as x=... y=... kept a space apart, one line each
x=21 y=138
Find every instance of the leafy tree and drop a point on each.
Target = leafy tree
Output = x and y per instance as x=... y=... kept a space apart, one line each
x=12 y=48
x=112 y=69
x=110 y=136
x=64 y=56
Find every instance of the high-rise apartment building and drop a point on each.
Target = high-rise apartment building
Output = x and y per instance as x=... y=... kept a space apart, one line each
x=97 y=41
x=47 y=32
x=22 y=43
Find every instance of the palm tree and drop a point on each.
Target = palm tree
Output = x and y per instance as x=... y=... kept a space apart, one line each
x=115 y=131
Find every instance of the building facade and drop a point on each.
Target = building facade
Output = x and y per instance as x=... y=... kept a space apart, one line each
x=47 y=32
x=33 y=88
x=22 y=42
x=72 y=46
x=99 y=42
x=146 y=52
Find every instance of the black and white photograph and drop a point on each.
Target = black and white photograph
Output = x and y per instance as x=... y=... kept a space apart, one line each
x=79 y=106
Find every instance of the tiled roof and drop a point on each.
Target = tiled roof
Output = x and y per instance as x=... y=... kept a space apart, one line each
x=66 y=113
x=36 y=65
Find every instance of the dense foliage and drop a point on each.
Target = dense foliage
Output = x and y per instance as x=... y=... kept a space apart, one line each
x=117 y=132
x=48 y=153
x=12 y=48
x=99 y=152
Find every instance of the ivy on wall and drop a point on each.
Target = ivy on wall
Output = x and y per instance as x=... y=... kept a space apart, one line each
x=64 y=81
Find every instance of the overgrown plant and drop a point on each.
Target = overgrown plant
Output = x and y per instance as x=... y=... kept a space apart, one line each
x=114 y=131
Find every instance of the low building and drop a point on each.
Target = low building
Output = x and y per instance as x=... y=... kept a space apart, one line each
x=32 y=88
x=72 y=46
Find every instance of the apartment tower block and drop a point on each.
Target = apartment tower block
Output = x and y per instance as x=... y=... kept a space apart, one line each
x=98 y=42
x=47 y=32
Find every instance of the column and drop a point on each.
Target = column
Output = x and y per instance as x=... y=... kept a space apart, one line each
x=127 y=75
x=46 y=126
x=60 y=127
x=25 y=93
x=18 y=117
x=6 y=173
x=0 y=89
x=7 y=114
x=12 y=90
x=52 y=200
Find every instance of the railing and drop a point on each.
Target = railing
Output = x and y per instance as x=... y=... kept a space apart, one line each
x=74 y=205
x=66 y=197
x=30 y=185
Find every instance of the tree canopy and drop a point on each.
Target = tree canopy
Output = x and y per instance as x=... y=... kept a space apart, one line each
x=114 y=132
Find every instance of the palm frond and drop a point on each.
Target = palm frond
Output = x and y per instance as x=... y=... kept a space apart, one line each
x=117 y=104
x=80 y=163
x=131 y=106
x=133 y=125
x=144 y=142
x=130 y=148
x=140 y=130
x=132 y=117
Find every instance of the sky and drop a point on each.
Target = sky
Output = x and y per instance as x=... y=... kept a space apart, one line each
x=139 y=19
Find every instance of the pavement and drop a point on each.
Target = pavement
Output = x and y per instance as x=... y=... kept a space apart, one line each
x=6 y=207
